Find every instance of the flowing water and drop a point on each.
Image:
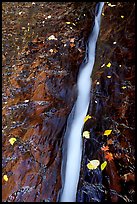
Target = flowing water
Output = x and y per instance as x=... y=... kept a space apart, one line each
x=72 y=149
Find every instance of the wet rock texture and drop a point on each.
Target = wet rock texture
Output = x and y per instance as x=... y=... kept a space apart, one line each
x=112 y=107
x=43 y=46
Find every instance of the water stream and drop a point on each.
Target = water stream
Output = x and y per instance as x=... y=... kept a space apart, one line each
x=72 y=146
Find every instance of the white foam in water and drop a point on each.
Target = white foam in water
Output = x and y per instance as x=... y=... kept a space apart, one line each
x=72 y=156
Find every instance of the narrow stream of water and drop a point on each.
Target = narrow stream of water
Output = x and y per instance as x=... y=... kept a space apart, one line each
x=72 y=147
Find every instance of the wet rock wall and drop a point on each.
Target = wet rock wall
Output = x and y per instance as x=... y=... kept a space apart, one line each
x=43 y=47
x=112 y=107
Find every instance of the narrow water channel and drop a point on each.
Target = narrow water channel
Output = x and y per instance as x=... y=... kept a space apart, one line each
x=72 y=146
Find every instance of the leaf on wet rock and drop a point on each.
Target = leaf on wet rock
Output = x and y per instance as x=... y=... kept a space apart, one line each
x=109 y=156
x=86 y=134
x=5 y=177
x=105 y=148
x=110 y=141
x=72 y=44
x=72 y=40
x=51 y=50
x=108 y=65
x=107 y=132
x=12 y=140
x=93 y=164
x=123 y=87
x=111 y=5
x=49 y=16
x=86 y=118
x=52 y=37
x=102 y=65
x=103 y=165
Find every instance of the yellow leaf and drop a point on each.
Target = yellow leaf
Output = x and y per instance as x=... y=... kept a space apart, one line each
x=107 y=132
x=103 y=14
x=93 y=164
x=109 y=4
x=103 y=165
x=86 y=118
x=68 y=23
x=52 y=37
x=108 y=65
x=5 y=177
x=108 y=76
x=12 y=140
x=122 y=16
x=51 y=50
x=86 y=134
x=123 y=87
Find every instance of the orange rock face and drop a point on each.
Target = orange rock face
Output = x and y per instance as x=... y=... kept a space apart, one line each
x=39 y=90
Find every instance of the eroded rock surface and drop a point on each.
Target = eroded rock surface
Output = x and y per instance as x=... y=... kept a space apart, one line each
x=43 y=46
x=112 y=107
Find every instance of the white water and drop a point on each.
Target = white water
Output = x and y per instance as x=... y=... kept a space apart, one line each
x=72 y=149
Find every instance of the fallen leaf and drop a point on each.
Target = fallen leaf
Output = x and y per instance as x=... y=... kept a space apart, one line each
x=108 y=65
x=122 y=16
x=51 y=50
x=98 y=83
x=108 y=76
x=12 y=140
x=26 y=101
x=105 y=148
x=103 y=14
x=72 y=44
x=86 y=134
x=49 y=16
x=109 y=156
x=93 y=164
x=111 y=5
x=72 y=40
x=68 y=23
x=79 y=50
x=86 y=118
x=110 y=141
x=123 y=87
x=102 y=65
x=107 y=132
x=103 y=165
x=5 y=177
x=52 y=37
